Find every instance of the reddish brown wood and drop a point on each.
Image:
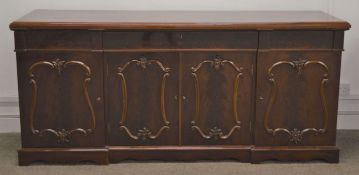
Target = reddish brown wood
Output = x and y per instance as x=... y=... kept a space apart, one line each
x=219 y=39
x=100 y=73
x=172 y=20
x=329 y=154
x=61 y=155
x=60 y=104
x=183 y=153
x=296 y=39
x=304 y=84
x=135 y=94
x=223 y=83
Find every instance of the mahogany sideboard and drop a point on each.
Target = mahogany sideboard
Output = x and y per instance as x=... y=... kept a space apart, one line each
x=106 y=86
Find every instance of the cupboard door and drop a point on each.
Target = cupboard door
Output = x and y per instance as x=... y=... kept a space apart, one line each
x=61 y=99
x=217 y=97
x=142 y=108
x=297 y=98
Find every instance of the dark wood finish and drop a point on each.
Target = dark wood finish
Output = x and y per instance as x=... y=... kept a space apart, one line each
x=62 y=99
x=180 y=40
x=338 y=40
x=311 y=78
x=217 y=97
x=329 y=154
x=140 y=39
x=219 y=39
x=174 y=20
x=296 y=39
x=114 y=85
x=183 y=153
x=141 y=98
x=61 y=155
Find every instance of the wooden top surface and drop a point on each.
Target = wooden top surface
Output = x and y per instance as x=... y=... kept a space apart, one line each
x=231 y=20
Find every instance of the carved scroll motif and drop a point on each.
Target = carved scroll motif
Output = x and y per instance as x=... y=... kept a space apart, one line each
x=63 y=135
x=296 y=135
x=143 y=133
x=216 y=132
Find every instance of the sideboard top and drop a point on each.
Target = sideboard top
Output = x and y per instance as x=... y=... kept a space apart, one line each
x=167 y=20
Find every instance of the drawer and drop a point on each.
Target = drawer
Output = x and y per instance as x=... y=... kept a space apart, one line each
x=140 y=39
x=62 y=39
x=182 y=40
x=296 y=40
x=219 y=39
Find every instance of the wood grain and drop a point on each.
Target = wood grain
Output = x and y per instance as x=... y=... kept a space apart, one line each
x=178 y=85
x=174 y=20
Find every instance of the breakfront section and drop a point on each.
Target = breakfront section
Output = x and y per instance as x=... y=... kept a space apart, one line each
x=61 y=96
x=297 y=94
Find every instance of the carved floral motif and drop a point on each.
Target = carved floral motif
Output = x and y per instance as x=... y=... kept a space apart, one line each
x=299 y=65
x=296 y=135
x=144 y=133
x=58 y=65
x=215 y=132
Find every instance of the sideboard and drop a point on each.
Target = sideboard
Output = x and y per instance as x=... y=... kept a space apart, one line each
x=107 y=86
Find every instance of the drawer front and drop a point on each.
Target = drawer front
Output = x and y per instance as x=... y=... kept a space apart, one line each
x=297 y=98
x=220 y=39
x=181 y=40
x=296 y=40
x=142 y=108
x=140 y=40
x=61 y=39
x=217 y=98
x=61 y=99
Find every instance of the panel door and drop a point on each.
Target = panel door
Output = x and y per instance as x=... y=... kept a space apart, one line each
x=297 y=98
x=141 y=104
x=217 y=97
x=61 y=99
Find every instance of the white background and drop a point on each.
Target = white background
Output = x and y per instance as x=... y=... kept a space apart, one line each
x=345 y=9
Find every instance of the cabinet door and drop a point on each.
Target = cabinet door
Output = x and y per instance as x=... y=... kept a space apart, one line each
x=61 y=101
x=141 y=104
x=297 y=97
x=217 y=97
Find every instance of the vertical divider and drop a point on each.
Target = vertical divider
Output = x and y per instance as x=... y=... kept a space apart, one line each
x=180 y=99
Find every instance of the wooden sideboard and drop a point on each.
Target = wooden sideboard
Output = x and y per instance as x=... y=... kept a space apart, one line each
x=106 y=86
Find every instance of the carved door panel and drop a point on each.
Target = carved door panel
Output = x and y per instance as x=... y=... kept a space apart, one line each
x=142 y=107
x=297 y=96
x=217 y=97
x=61 y=99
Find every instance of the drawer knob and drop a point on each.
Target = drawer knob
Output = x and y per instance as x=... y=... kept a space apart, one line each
x=98 y=98
x=261 y=98
x=184 y=97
